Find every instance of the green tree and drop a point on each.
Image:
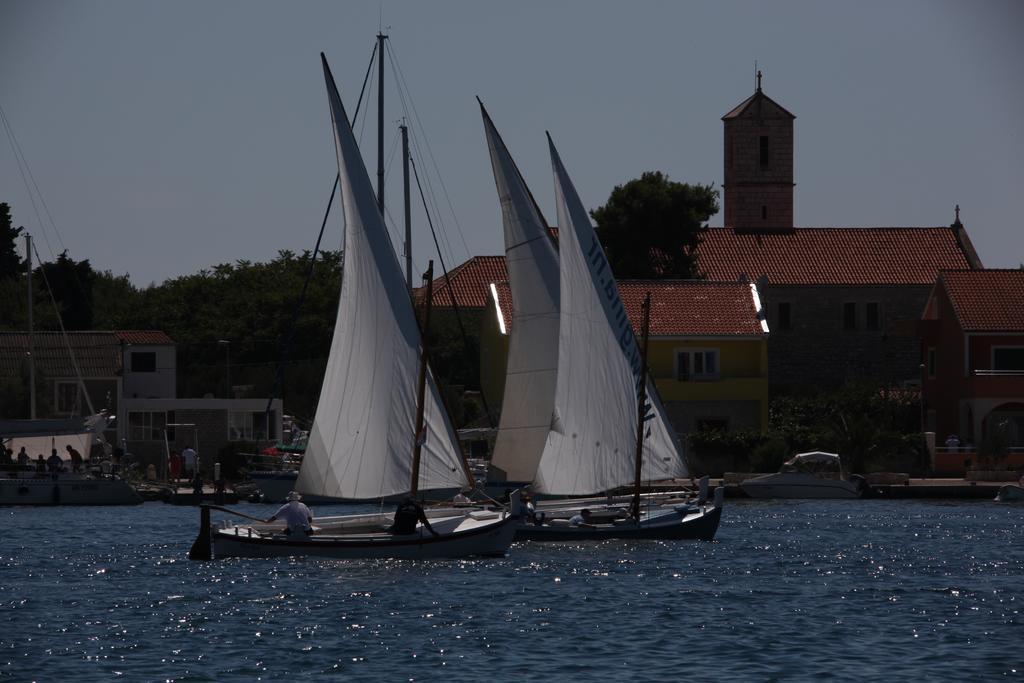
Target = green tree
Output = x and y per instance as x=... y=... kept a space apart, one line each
x=651 y=226
x=10 y=263
x=71 y=283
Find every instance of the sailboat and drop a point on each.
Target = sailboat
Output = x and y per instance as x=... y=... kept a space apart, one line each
x=379 y=404
x=532 y=366
x=600 y=383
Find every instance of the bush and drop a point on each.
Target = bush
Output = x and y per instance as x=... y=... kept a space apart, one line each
x=769 y=455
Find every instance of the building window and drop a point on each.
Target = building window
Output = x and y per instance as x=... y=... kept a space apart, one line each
x=763 y=153
x=764 y=212
x=698 y=364
x=784 y=317
x=147 y=426
x=1008 y=358
x=849 y=316
x=251 y=426
x=931 y=362
x=872 y=320
x=143 y=361
x=67 y=398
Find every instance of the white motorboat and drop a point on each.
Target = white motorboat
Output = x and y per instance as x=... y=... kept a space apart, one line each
x=1010 y=493
x=815 y=474
x=580 y=414
x=378 y=406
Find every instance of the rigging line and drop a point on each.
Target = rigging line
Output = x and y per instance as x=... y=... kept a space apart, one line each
x=411 y=114
x=433 y=202
x=46 y=209
x=279 y=375
x=32 y=177
x=31 y=196
x=394 y=61
x=286 y=351
x=404 y=100
x=64 y=333
x=369 y=68
x=451 y=291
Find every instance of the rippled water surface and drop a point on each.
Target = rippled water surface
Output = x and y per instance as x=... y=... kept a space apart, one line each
x=842 y=589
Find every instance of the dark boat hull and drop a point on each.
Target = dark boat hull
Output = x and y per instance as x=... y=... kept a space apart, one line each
x=698 y=527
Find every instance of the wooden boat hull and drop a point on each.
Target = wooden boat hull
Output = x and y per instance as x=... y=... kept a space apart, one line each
x=67 y=490
x=489 y=538
x=700 y=526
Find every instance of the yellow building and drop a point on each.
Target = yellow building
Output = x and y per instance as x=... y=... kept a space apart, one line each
x=708 y=350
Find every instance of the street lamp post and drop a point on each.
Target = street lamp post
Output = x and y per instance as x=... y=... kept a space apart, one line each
x=227 y=366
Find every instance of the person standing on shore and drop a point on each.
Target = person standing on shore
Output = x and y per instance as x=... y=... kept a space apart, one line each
x=189 y=461
x=174 y=465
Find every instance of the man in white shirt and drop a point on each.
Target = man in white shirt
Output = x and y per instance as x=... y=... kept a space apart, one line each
x=297 y=517
x=188 y=458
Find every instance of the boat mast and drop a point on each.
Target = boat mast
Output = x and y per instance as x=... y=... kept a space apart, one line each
x=408 y=207
x=31 y=332
x=641 y=408
x=421 y=385
x=380 y=122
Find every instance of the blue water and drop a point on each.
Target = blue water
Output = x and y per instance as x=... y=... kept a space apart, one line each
x=847 y=590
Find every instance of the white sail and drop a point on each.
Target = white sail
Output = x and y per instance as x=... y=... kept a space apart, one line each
x=532 y=262
x=592 y=443
x=361 y=443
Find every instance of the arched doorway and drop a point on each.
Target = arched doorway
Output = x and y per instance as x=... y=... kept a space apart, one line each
x=1008 y=418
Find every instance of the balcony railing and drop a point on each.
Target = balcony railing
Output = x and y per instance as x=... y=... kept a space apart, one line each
x=998 y=373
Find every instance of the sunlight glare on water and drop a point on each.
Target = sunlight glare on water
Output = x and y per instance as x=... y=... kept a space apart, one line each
x=841 y=589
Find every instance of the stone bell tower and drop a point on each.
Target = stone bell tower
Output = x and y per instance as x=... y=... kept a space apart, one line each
x=759 y=165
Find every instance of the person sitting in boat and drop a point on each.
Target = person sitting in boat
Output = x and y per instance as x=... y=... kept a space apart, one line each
x=76 y=458
x=54 y=463
x=23 y=459
x=40 y=464
x=5 y=456
x=463 y=495
x=408 y=513
x=298 y=518
x=581 y=519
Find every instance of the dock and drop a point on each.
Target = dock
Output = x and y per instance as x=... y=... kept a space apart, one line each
x=908 y=488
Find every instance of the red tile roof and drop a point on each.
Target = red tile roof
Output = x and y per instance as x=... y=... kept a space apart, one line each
x=803 y=256
x=143 y=337
x=986 y=300
x=97 y=353
x=833 y=256
x=469 y=283
x=680 y=308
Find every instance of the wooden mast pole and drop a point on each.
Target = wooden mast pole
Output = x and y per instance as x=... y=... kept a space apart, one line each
x=408 y=207
x=380 y=122
x=31 y=331
x=421 y=385
x=641 y=407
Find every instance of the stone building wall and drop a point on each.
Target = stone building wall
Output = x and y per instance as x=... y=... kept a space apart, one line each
x=817 y=351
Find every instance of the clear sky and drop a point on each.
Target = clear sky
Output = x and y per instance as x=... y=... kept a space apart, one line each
x=166 y=137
